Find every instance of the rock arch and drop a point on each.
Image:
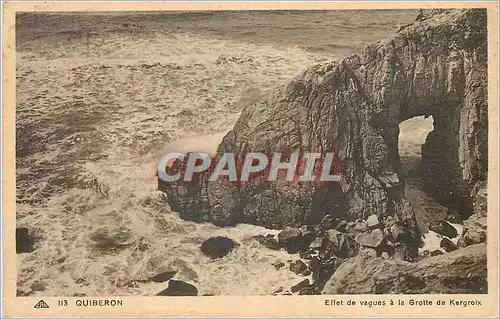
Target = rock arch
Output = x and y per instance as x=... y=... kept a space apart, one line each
x=436 y=66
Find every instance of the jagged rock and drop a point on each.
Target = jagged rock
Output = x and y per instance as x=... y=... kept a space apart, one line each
x=304 y=283
x=447 y=245
x=268 y=241
x=352 y=107
x=218 y=247
x=179 y=288
x=371 y=240
x=164 y=276
x=372 y=221
x=474 y=230
x=306 y=254
x=322 y=267
x=291 y=239
x=444 y=228
x=436 y=252
x=462 y=271
x=340 y=244
x=278 y=265
x=298 y=267
x=24 y=241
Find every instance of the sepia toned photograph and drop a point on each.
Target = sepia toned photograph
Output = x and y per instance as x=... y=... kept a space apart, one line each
x=264 y=152
x=399 y=96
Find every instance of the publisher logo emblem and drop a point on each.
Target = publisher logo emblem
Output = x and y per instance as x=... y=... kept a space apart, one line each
x=41 y=304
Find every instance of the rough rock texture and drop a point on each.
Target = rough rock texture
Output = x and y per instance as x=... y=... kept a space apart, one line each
x=218 y=247
x=462 y=271
x=352 y=107
x=179 y=288
x=444 y=228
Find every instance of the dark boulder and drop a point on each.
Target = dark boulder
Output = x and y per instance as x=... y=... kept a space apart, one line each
x=443 y=228
x=342 y=245
x=179 y=288
x=436 y=252
x=293 y=241
x=278 y=265
x=329 y=222
x=304 y=283
x=298 y=267
x=475 y=230
x=218 y=247
x=24 y=241
x=447 y=245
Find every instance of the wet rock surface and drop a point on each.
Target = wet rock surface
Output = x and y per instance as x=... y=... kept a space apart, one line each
x=462 y=271
x=218 y=247
x=352 y=107
x=364 y=230
x=298 y=267
x=179 y=288
x=444 y=228
x=164 y=276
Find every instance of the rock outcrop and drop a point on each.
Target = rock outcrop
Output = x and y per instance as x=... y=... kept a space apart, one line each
x=218 y=247
x=461 y=271
x=352 y=107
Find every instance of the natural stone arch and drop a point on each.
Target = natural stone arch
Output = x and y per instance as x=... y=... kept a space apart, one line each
x=436 y=66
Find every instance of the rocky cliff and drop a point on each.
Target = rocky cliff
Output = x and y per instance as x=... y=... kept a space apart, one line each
x=352 y=107
x=462 y=271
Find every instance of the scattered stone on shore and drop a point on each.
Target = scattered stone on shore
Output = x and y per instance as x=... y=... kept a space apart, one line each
x=329 y=222
x=304 y=283
x=447 y=245
x=298 y=267
x=443 y=228
x=307 y=254
x=179 y=288
x=218 y=247
x=268 y=241
x=474 y=230
x=371 y=240
x=278 y=265
x=164 y=276
x=24 y=241
x=436 y=252
x=292 y=240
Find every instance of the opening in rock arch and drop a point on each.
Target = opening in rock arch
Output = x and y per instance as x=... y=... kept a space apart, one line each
x=412 y=135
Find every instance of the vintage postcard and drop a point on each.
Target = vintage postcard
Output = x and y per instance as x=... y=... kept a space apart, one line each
x=250 y=159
